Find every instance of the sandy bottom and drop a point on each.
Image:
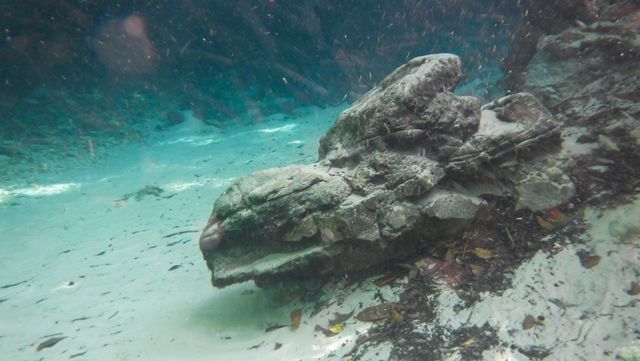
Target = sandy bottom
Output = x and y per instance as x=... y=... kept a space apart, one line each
x=123 y=279
x=118 y=273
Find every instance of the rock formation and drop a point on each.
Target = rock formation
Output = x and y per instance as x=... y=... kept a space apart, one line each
x=589 y=78
x=551 y=17
x=405 y=166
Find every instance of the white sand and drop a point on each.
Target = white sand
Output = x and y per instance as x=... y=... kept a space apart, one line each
x=588 y=314
x=124 y=303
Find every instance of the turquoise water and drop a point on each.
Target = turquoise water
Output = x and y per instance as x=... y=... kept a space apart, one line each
x=122 y=122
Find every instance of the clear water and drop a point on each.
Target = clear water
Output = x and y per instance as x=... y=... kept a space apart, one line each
x=102 y=99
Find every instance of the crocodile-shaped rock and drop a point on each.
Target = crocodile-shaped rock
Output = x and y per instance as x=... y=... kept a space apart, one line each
x=383 y=186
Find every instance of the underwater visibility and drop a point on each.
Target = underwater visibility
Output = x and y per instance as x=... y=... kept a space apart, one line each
x=340 y=180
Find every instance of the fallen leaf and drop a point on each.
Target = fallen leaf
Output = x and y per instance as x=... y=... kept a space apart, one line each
x=295 y=316
x=440 y=271
x=324 y=331
x=385 y=280
x=450 y=255
x=557 y=216
x=337 y=328
x=544 y=224
x=529 y=322
x=470 y=341
x=396 y=316
x=634 y=290
x=341 y=317
x=476 y=269
x=589 y=260
x=483 y=253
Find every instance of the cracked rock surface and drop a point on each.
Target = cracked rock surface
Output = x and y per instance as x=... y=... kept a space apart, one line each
x=391 y=179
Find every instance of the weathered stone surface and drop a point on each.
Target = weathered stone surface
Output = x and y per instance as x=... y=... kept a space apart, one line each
x=589 y=79
x=545 y=17
x=380 y=189
x=413 y=102
x=544 y=189
x=507 y=125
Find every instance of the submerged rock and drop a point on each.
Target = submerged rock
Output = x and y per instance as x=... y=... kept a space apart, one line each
x=544 y=189
x=382 y=188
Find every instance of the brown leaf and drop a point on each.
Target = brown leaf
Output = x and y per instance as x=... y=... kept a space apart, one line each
x=556 y=216
x=529 y=322
x=324 y=331
x=544 y=224
x=634 y=290
x=476 y=269
x=469 y=342
x=439 y=270
x=341 y=317
x=483 y=253
x=396 y=316
x=589 y=260
x=295 y=316
x=450 y=255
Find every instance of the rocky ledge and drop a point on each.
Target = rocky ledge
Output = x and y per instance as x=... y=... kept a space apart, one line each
x=406 y=166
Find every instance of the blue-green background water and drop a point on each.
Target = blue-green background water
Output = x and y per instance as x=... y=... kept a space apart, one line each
x=78 y=74
x=101 y=99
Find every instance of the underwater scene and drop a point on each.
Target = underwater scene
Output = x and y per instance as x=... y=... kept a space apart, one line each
x=340 y=180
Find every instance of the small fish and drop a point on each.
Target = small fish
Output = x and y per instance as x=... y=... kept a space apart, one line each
x=50 y=342
x=385 y=280
x=274 y=327
x=375 y=313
